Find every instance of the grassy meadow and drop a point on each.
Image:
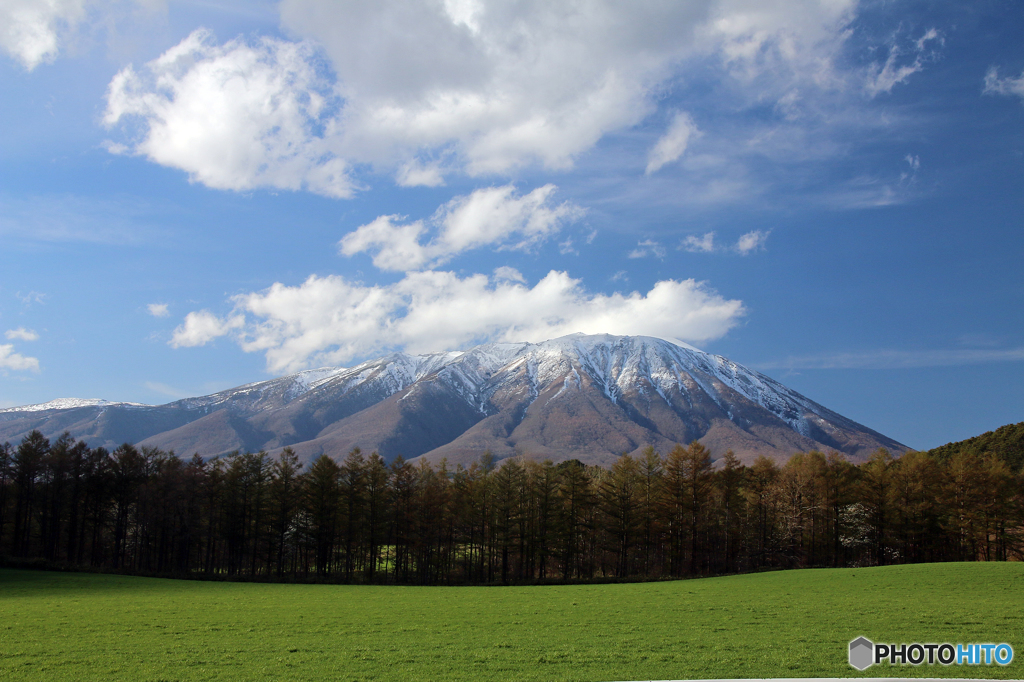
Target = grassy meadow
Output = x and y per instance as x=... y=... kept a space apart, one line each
x=68 y=626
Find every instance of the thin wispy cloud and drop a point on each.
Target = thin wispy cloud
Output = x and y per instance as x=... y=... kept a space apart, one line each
x=32 y=298
x=703 y=244
x=899 y=66
x=672 y=145
x=748 y=243
x=994 y=85
x=896 y=359
x=647 y=247
x=167 y=390
x=73 y=218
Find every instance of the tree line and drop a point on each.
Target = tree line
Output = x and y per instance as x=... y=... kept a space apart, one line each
x=254 y=516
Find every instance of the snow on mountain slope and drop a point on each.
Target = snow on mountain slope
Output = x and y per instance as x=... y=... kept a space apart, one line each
x=70 y=404
x=623 y=391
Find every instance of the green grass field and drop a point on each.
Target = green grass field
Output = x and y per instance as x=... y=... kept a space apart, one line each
x=65 y=626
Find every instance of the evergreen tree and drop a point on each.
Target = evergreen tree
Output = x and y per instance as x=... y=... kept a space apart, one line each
x=28 y=467
x=876 y=494
x=285 y=496
x=620 y=494
x=729 y=482
x=576 y=499
x=377 y=504
x=321 y=500
x=352 y=479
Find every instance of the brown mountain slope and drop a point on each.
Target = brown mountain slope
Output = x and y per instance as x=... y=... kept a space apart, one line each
x=584 y=397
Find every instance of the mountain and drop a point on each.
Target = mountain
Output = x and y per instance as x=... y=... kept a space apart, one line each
x=585 y=397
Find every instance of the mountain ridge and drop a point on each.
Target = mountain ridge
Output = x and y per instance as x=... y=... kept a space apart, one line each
x=578 y=396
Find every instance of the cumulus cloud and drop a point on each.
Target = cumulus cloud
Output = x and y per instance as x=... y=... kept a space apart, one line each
x=994 y=85
x=158 y=309
x=672 y=144
x=507 y=273
x=235 y=116
x=333 y=320
x=695 y=244
x=420 y=90
x=751 y=241
x=9 y=360
x=490 y=216
x=21 y=334
x=202 y=327
x=31 y=31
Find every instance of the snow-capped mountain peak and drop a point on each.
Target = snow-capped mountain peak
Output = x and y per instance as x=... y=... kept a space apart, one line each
x=589 y=397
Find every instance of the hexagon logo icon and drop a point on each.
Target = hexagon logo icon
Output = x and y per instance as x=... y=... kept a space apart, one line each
x=862 y=652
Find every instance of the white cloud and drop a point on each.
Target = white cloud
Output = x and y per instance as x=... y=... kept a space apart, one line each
x=420 y=90
x=415 y=174
x=237 y=116
x=752 y=241
x=647 y=247
x=507 y=273
x=21 y=334
x=994 y=85
x=746 y=244
x=694 y=244
x=202 y=327
x=15 y=361
x=332 y=320
x=31 y=31
x=489 y=216
x=158 y=309
x=884 y=77
x=36 y=32
x=673 y=143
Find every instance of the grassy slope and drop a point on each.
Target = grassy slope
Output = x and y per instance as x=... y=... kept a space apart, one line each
x=795 y=624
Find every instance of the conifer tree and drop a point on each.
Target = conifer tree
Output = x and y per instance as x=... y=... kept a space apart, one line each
x=620 y=494
x=285 y=498
x=877 y=493
x=377 y=504
x=729 y=482
x=321 y=502
x=28 y=467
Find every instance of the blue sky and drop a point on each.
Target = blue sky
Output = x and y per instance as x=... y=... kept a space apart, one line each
x=198 y=195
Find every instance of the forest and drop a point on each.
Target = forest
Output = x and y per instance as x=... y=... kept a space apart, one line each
x=253 y=516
